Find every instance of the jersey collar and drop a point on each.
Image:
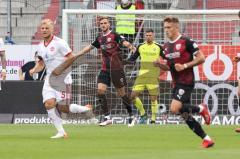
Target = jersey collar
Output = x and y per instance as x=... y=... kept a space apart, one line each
x=107 y=33
x=47 y=43
x=175 y=39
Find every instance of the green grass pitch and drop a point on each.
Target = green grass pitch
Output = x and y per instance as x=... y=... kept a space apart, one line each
x=116 y=142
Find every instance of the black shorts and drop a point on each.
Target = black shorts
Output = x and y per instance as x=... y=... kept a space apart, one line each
x=182 y=93
x=117 y=77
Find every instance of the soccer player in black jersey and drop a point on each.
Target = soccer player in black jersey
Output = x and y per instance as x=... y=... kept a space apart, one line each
x=112 y=68
x=179 y=59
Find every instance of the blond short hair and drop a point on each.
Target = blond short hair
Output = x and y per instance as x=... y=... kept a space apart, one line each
x=47 y=22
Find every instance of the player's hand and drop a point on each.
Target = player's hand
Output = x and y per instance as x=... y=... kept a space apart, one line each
x=156 y=63
x=159 y=62
x=4 y=75
x=162 y=64
x=179 y=67
x=236 y=59
x=133 y=49
x=31 y=72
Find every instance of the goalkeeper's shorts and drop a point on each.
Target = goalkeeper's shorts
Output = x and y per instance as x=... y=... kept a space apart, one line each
x=153 y=89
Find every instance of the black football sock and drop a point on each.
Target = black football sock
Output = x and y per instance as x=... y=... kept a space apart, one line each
x=127 y=102
x=102 y=99
x=194 y=125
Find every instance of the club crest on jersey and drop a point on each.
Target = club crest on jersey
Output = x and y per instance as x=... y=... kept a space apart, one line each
x=52 y=49
x=109 y=39
x=178 y=46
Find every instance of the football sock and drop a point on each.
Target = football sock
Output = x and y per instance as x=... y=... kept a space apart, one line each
x=57 y=121
x=103 y=102
x=207 y=138
x=107 y=117
x=138 y=103
x=127 y=102
x=194 y=125
x=200 y=108
x=75 y=108
x=154 y=108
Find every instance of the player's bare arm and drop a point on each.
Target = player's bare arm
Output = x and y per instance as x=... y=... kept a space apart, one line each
x=37 y=68
x=3 y=61
x=131 y=47
x=199 y=59
x=70 y=59
x=84 y=51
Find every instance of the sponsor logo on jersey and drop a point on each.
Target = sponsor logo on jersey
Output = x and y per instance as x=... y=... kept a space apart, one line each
x=173 y=55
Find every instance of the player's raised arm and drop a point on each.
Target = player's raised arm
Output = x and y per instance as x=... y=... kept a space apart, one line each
x=70 y=59
x=128 y=45
x=84 y=51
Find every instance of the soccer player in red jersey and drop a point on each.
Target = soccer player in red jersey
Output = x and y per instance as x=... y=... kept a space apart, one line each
x=112 y=68
x=179 y=59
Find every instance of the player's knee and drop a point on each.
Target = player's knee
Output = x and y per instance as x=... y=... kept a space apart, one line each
x=63 y=108
x=121 y=94
x=132 y=97
x=153 y=98
x=174 y=110
x=49 y=104
x=101 y=92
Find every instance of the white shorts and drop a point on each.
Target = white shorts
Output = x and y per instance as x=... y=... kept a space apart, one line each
x=59 y=91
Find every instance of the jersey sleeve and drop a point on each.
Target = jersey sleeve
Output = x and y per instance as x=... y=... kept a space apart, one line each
x=134 y=56
x=25 y=67
x=64 y=48
x=96 y=43
x=162 y=54
x=161 y=50
x=120 y=38
x=191 y=46
x=39 y=52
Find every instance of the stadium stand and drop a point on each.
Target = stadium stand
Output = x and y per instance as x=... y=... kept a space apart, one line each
x=228 y=30
x=52 y=13
x=26 y=16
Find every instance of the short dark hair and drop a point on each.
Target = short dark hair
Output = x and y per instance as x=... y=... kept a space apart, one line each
x=149 y=30
x=103 y=17
x=171 y=19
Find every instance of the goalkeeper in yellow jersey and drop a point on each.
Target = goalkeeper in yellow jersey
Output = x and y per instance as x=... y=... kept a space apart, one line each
x=148 y=75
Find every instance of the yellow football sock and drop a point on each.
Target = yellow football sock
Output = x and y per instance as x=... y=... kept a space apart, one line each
x=154 y=105
x=139 y=105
